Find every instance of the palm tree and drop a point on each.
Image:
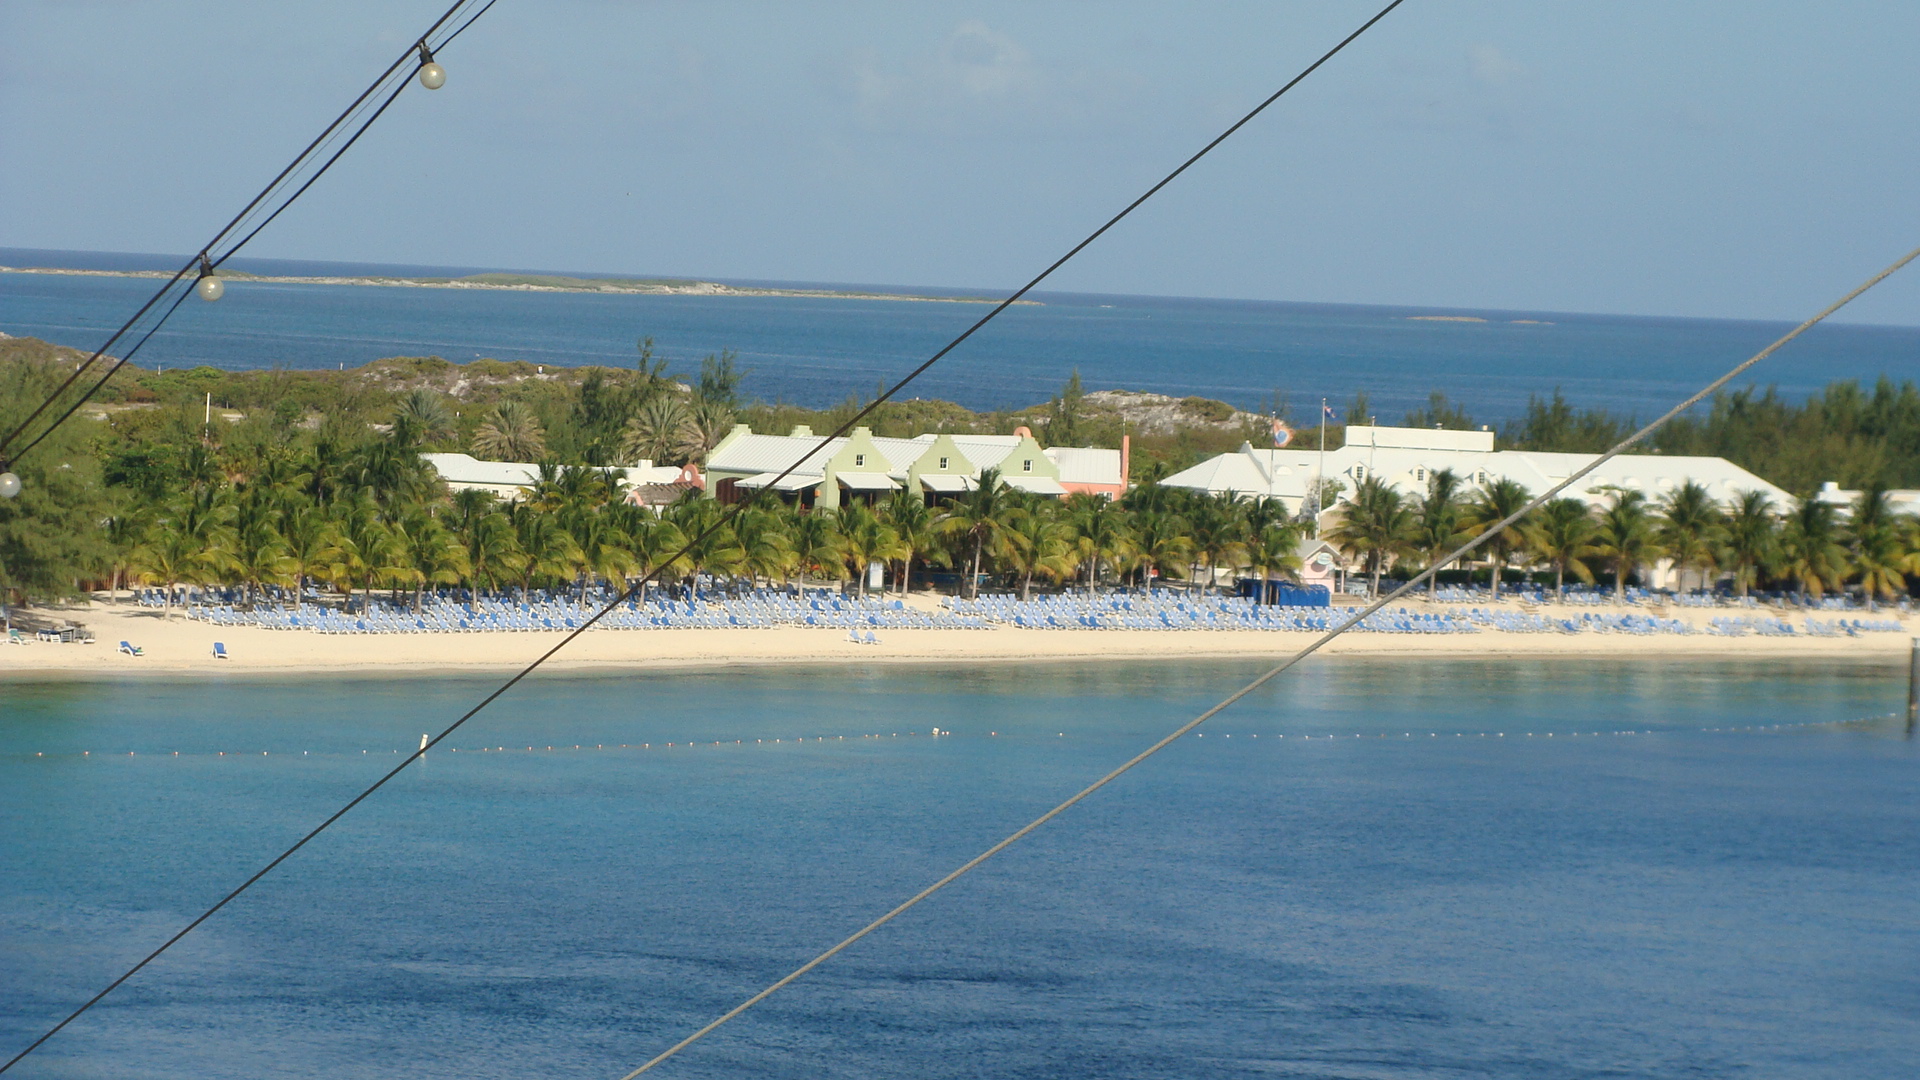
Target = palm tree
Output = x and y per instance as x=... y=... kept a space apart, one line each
x=1218 y=530
x=1751 y=538
x=421 y=417
x=487 y=535
x=978 y=517
x=259 y=553
x=307 y=532
x=603 y=550
x=1437 y=520
x=1810 y=548
x=1690 y=529
x=766 y=550
x=1100 y=533
x=1882 y=554
x=191 y=541
x=655 y=432
x=547 y=550
x=426 y=553
x=1492 y=504
x=510 y=433
x=710 y=544
x=865 y=540
x=912 y=521
x=1160 y=542
x=1562 y=534
x=1035 y=542
x=653 y=542
x=1275 y=550
x=1375 y=525
x=707 y=422
x=817 y=545
x=362 y=547
x=1626 y=537
x=165 y=557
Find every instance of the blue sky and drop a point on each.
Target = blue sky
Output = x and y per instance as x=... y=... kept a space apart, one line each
x=1746 y=159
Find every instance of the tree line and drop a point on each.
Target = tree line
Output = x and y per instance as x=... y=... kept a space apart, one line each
x=1809 y=547
x=152 y=489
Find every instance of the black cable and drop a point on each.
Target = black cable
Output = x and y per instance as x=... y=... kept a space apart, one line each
x=322 y=171
x=123 y=361
x=256 y=201
x=118 y=364
x=448 y=40
x=719 y=523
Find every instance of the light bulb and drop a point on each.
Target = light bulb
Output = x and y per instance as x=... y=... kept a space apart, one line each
x=432 y=75
x=9 y=485
x=210 y=288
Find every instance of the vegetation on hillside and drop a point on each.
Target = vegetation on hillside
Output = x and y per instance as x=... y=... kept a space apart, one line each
x=315 y=476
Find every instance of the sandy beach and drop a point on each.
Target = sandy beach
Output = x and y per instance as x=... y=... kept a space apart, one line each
x=176 y=646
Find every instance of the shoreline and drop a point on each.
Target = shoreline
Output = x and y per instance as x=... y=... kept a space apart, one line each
x=615 y=286
x=179 y=647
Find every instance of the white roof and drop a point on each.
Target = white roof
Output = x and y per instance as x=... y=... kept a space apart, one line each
x=793 y=481
x=866 y=481
x=1419 y=438
x=1086 y=464
x=773 y=453
x=1034 y=485
x=985 y=451
x=946 y=483
x=1288 y=473
x=469 y=470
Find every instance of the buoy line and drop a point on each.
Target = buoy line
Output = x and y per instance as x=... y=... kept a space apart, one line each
x=944 y=733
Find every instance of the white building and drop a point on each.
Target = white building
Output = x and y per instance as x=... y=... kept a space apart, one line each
x=863 y=466
x=1900 y=500
x=1406 y=458
x=507 y=479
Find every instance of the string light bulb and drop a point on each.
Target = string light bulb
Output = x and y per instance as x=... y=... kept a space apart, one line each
x=432 y=75
x=209 y=286
x=9 y=485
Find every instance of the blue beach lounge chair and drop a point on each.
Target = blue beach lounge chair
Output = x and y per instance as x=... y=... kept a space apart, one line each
x=131 y=650
x=220 y=650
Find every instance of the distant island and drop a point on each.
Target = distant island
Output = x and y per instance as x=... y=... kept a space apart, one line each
x=542 y=283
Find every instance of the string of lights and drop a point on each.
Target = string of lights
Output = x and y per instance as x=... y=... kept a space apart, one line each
x=720 y=522
x=199 y=274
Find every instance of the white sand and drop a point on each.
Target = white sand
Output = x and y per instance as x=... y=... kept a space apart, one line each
x=176 y=646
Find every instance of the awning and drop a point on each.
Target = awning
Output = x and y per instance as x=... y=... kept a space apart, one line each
x=945 y=483
x=794 y=482
x=866 y=481
x=1036 y=485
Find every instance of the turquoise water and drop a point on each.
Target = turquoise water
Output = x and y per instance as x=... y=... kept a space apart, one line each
x=1679 y=902
x=817 y=352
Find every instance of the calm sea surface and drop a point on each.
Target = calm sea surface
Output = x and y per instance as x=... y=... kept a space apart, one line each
x=1669 y=904
x=818 y=351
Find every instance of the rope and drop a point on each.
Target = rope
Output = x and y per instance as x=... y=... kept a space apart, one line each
x=1270 y=674
x=718 y=524
x=254 y=206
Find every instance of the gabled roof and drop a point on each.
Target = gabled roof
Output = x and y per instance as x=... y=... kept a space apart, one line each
x=772 y=453
x=1086 y=464
x=467 y=469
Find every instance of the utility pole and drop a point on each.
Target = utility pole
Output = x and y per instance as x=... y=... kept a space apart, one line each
x=1913 y=687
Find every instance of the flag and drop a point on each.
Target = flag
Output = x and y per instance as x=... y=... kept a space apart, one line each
x=1282 y=434
x=1326 y=412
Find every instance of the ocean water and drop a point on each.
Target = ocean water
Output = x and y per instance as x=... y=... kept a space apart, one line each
x=1681 y=902
x=819 y=351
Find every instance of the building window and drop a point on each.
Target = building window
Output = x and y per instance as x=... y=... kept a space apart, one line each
x=859 y=460
x=1420 y=474
x=1480 y=478
x=1027 y=465
x=1359 y=472
x=943 y=463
